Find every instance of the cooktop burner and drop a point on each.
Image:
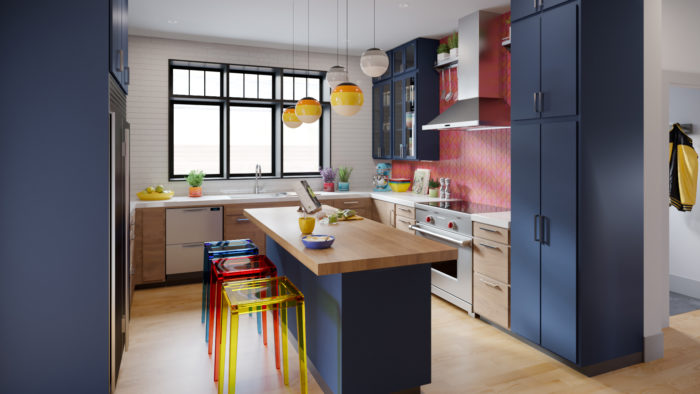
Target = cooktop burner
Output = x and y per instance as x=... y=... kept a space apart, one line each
x=464 y=206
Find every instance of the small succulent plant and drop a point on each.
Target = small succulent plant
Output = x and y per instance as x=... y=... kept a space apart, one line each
x=344 y=174
x=195 y=178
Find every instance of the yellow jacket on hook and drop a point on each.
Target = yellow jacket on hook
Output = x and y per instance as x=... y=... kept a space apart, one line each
x=683 y=169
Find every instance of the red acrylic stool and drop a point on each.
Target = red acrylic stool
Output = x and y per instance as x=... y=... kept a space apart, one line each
x=236 y=268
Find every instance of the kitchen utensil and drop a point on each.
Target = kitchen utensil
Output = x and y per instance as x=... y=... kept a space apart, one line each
x=448 y=97
x=442 y=85
x=317 y=241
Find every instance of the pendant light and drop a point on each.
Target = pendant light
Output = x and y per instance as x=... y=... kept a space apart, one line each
x=336 y=74
x=347 y=98
x=289 y=115
x=374 y=62
x=308 y=109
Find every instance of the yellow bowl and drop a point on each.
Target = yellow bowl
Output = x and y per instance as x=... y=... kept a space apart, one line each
x=399 y=187
x=143 y=195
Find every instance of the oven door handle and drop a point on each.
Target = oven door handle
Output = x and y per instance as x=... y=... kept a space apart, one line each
x=465 y=243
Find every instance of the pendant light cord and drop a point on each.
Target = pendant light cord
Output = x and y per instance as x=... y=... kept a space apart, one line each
x=374 y=25
x=308 y=47
x=293 y=8
x=337 y=36
x=347 y=39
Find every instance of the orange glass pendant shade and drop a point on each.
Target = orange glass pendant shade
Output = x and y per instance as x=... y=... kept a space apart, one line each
x=308 y=110
x=290 y=119
x=347 y=99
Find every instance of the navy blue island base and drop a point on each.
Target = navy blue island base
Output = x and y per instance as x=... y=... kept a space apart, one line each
x=367 y=331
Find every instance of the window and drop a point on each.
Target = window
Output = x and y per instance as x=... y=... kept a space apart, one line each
x=225 y=119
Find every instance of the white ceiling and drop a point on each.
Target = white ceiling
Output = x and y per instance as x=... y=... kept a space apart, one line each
x=268 y=23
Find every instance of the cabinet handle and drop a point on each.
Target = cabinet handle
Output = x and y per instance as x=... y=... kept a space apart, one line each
x=540 y=4
x=404 y=221
x=534 y=4
x=537 y=237
x=192 y=245
x=194 y=209
x=242 y=220
x=490 y=230
x=350 y=202
x=405 y=209
x=544 y=228
x=534 y=100
x=127 y=74
x=540 y=100
x=490 y=246
x=392 y=219
x=401 y=150
x=490 y=284
x=121 y=60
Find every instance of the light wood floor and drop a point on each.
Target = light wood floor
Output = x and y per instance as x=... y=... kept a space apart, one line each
x=167 y=354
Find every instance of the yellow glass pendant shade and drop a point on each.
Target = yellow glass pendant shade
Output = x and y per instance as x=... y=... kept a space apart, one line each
x=347 y=99
x=308 y=110
x=290 y=119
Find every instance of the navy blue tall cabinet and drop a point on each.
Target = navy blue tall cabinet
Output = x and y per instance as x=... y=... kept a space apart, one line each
x=577 y=180
x=54 y=248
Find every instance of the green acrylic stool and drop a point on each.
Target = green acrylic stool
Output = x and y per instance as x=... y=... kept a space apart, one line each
x=250 y=296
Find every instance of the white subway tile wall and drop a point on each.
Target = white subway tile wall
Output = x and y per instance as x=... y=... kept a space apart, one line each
x=147 y=113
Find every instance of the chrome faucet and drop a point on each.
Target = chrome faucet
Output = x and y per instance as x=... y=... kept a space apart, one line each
x=258 y=172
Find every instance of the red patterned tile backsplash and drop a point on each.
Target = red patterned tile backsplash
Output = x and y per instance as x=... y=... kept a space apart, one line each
x=477 y=161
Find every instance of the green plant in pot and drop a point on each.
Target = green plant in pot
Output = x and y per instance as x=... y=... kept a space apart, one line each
x=433 y=188
x=344 y=178
x=443 y=52
x=453 y=43
x=195 y=179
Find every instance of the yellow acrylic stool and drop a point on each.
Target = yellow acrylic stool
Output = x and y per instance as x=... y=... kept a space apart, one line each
x=250 y=296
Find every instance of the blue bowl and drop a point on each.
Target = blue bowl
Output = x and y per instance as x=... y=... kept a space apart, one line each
x=318 y=244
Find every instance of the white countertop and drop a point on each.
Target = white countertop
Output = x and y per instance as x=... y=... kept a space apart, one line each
x=500 y=219
x=406 y=198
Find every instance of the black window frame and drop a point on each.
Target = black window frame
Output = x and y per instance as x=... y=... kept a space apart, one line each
x=277 y=104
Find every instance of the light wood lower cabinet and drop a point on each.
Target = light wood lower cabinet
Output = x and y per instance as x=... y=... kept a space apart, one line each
x=403 y=224
x=491 y=262
x=384 y=212
x=149 y=246
x=238 y=226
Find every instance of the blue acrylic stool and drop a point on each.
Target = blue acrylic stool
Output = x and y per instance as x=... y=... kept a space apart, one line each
x=217 y=249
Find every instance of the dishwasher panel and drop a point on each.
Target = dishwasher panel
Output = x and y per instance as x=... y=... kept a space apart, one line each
x=184 y=258
x=187 y=225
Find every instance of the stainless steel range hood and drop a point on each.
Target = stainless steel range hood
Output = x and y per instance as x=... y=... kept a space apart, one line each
x=479 y=103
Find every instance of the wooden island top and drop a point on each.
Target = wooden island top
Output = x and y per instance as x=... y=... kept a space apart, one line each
x=360 y=245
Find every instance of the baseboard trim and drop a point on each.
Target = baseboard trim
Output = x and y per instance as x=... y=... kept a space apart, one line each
x=653 y=347
x=685 y=286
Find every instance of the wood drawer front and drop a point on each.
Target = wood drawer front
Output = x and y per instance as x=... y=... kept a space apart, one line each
x=240 y=227
x=492 y=300
x=492 y=233
x=405 y=211
x=153 y=245
x=492 y=259
x=403 y=223
x=349 y=203
x=237 y=209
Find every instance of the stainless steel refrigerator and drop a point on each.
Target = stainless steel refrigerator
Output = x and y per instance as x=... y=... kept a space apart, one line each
x=119 y=259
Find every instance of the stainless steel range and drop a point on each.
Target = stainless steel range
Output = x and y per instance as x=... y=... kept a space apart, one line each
x=450 y=222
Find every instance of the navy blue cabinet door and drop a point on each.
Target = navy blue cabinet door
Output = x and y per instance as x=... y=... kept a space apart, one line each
x=559 y=40
x=551 y=3
x=558 y=251
x=525 y=231
x=521 y=8
x=115 y=37
x=381 y=120
x=125 y=44
x=525 y=70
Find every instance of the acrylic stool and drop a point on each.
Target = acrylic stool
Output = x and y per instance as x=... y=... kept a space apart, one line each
x=224 y=270
x=215 y=249
x=248 y=296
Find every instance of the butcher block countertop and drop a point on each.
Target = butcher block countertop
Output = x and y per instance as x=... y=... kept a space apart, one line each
x=360 y=245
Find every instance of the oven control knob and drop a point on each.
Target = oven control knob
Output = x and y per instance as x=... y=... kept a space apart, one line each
x=452 y=225
x=429 y=219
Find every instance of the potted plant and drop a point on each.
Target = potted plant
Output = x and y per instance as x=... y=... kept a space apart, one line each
x=433 y=188
x=328 y=175
x=344 y=178
x=195 y=179
x=443 y=52
x=452 y=43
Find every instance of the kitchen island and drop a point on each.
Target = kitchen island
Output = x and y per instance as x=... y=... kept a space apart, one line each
x=367 y=300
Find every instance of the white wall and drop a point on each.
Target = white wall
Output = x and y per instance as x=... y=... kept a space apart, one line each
x=655 y=188
x=147 y=108
x=681 y=34
x=684 y=227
